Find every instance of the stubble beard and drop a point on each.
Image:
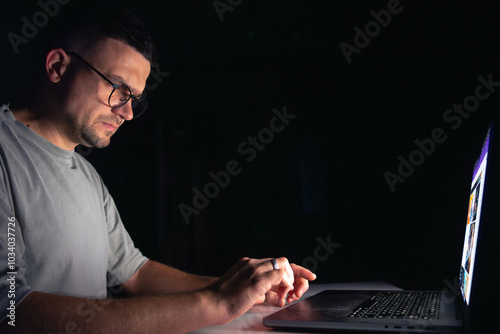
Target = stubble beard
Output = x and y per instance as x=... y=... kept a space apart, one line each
x=86 y=133
x=91 y=138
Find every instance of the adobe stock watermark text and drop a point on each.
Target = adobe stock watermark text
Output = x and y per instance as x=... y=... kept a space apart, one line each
x=30 y=27
x=247 y=149
x=453 y=117
x=12 y=273
x=321 y=253
x=372 y=29
x=223 y=6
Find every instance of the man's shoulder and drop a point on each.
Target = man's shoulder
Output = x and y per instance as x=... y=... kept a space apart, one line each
x=4 y=109
x=7 y=133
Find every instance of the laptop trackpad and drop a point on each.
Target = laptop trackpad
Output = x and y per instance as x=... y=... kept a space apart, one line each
x=329 y=305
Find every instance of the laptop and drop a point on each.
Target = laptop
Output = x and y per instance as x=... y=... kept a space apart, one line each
x=414 y=311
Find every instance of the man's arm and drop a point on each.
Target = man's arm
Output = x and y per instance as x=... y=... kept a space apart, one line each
x=246 y=284
x=154 y=278
x=48 y=313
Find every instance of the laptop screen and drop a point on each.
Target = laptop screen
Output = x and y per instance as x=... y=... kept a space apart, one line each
x=473 y=220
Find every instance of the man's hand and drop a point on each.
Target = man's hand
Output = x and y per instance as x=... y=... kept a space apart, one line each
x=300 y=277
x=252 y=281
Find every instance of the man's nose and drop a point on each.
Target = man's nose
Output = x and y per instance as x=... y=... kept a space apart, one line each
x=125 y=111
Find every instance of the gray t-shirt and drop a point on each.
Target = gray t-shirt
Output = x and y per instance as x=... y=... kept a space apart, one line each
x=58 y=218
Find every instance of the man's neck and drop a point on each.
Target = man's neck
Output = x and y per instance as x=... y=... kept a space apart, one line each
x=26 y=117
x=44 y=127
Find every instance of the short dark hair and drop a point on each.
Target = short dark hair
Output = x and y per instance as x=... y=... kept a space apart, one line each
x=89 y=24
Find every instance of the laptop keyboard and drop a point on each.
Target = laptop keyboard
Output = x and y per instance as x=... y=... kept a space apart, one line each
x=399 y=305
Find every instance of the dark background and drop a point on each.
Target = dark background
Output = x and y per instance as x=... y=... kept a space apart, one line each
x=322 y=177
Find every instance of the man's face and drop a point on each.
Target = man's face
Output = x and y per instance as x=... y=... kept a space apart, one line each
x=89 y=119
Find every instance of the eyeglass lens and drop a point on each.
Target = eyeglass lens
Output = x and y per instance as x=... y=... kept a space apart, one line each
x=121 y=95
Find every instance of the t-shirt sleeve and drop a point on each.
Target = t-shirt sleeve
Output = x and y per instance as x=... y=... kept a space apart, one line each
x=13 y=286
x=124 y=258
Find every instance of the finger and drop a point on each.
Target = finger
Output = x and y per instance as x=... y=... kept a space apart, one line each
x=302 y=272
x=285 y=286
x=273 y=299
x=282 y=288
x=270 y=264
x=300 y=287
x=281 y=297
x=262 y=299
x=283 y=263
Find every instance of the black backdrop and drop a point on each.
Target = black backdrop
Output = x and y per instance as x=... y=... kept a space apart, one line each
x=315 y=191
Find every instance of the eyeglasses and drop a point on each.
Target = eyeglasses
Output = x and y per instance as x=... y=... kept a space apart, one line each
x=120 y=94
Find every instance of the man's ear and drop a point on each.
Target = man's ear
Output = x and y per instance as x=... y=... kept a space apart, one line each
x=56 y=63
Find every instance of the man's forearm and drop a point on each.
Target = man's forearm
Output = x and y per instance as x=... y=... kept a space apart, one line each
x=48 y=313
x=154 y=278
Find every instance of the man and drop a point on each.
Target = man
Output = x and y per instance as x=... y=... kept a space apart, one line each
x=62 y=242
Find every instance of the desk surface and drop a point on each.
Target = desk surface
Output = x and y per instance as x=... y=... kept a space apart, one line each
x=251 y=321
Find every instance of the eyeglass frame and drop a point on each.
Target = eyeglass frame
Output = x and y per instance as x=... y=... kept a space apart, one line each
x=115 y=86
